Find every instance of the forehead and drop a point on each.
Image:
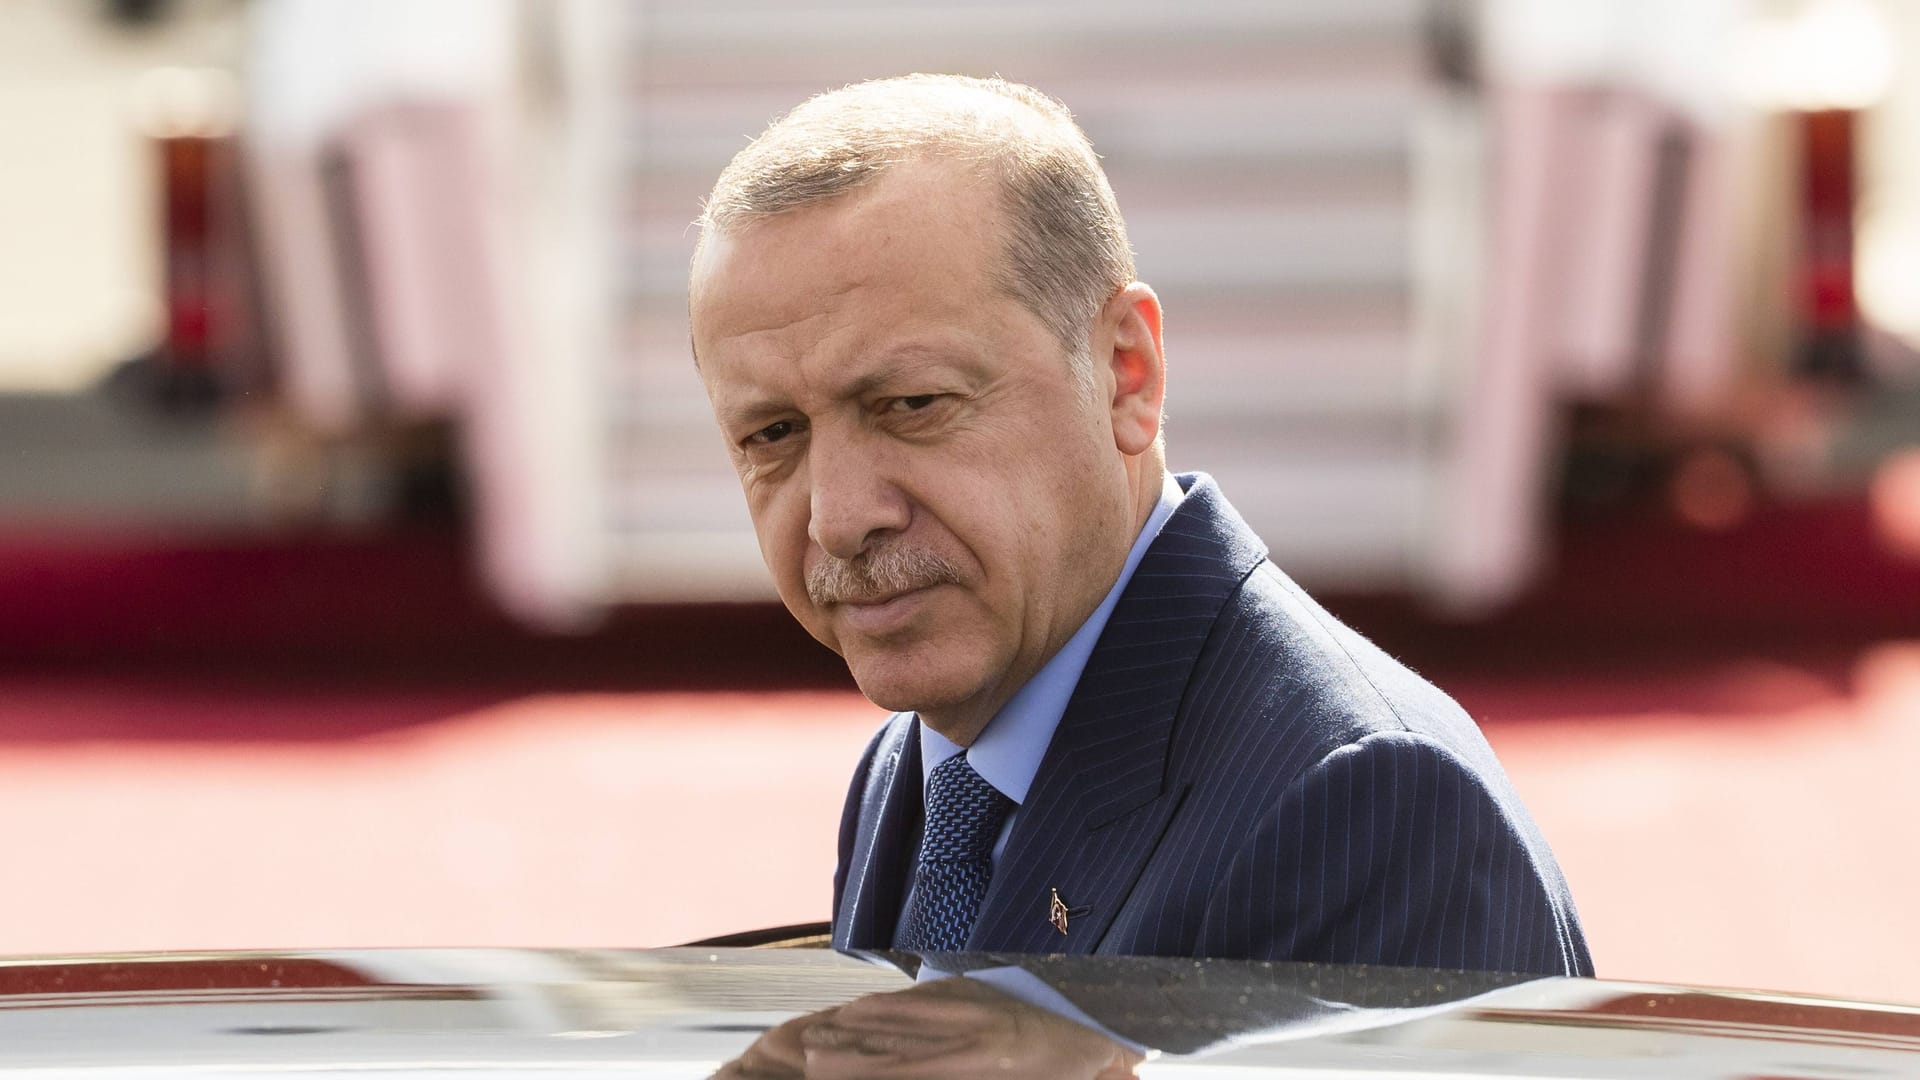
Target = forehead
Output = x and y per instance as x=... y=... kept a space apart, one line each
x=924 y=230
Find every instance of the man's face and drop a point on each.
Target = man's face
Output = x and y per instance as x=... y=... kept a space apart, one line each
x=938 y=499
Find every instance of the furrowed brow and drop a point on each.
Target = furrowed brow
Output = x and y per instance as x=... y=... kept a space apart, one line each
x=751 y=411
x=894 y=365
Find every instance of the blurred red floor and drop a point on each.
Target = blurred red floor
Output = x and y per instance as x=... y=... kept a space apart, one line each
x=1736 y=822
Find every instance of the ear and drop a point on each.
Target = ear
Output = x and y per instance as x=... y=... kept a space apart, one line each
x=1136 y=367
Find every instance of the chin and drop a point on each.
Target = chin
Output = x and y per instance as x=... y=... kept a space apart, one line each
x=907 y=682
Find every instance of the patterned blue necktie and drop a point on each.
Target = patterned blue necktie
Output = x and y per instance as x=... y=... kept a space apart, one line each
x=964 y=815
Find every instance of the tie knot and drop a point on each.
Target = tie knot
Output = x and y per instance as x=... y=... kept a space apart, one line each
x=964 y=813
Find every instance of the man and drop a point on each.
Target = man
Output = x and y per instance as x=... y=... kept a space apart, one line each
x=1119 y=728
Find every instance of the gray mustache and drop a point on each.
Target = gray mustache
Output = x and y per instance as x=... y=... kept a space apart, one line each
x=875 y=574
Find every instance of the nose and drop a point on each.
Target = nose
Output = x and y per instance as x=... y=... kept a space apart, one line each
x=855 y=502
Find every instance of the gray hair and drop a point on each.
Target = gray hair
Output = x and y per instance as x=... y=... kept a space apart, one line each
x=1066 y=250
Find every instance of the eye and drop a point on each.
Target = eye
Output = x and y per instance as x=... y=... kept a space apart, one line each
x=911 y=403
x=772 y=433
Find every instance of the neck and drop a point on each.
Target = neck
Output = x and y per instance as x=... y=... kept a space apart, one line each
x=961 y=726
x=1146 y=475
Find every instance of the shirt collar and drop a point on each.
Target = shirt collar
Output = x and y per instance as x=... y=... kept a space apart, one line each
x=1007 y=754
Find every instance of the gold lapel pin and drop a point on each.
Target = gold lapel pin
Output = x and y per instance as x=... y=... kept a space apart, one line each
x=1057 y=912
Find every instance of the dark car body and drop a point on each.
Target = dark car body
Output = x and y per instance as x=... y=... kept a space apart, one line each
x=698 y=1011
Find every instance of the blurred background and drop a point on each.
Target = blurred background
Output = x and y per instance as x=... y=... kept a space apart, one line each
x=370 y=573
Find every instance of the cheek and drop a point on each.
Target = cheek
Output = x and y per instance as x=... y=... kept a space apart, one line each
x=999 y=501
x=785 y=548
x=780 y=525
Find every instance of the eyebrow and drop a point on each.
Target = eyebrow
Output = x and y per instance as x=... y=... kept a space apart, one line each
x=886 y=367
x=862 y=385
x=909 y=355
x=751 y=412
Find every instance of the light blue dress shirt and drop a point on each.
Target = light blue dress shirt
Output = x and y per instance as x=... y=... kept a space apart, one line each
x=1007 y=754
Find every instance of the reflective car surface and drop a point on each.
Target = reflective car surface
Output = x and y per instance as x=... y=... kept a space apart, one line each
x=704 y=1011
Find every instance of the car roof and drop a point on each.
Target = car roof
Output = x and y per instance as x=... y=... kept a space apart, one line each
x=674 y=1012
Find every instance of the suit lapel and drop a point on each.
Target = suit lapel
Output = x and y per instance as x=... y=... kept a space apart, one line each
x=1102 y=798
x=881 y=866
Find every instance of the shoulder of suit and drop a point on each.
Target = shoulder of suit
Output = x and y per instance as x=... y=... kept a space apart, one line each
x=1296 y=656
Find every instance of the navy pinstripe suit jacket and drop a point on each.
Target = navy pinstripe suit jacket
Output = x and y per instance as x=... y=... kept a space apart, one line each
x=1238 y=774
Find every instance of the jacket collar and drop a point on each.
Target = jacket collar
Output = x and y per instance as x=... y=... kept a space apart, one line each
x=1101 y=798
x=880 y=865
